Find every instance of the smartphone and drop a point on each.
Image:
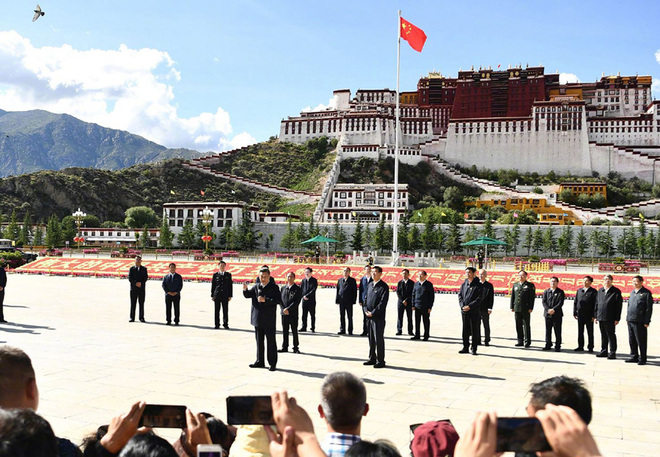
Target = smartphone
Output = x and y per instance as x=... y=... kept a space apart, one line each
x=520 y=434
x=164 y=416
x=249 y=410
x=209 y=450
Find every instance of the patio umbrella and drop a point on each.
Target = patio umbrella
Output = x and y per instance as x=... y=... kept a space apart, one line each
x=485 y=241
x=322 y=239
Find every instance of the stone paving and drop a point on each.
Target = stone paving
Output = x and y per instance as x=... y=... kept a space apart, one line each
x=92 y=363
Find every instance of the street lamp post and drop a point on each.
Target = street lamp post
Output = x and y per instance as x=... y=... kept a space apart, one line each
x=78 y=217
x=207 y=218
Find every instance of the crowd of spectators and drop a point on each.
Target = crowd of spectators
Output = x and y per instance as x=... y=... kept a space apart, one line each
x=561 y=404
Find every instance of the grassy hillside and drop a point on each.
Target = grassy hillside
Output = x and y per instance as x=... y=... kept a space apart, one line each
x=107 y=194
x=295 y=166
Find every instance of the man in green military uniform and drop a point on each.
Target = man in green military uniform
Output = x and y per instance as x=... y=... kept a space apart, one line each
x=523 y=294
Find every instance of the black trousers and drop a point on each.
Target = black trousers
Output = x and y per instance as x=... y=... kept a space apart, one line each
x=346 y=311
x=309 y=307
x=365 y=321
x=399 y=321
x=553 y=323
x=607 y=336
x=471 y=328
x=289 y=321
x=376 y=340
x=523 y=328
x=422 y=315
x=638 y=339
x=485 y=319
x=271 y=345
x=224 y=304
x=2 y=302
x=588 y=323
x=137 y=296
x=172 y=301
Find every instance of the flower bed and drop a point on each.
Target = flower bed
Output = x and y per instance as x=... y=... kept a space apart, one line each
x=560 y=262
x=618 y=268
x=51 y=253
x=162 y=251
x=208 y=256
x=179 y=252
x=91 y=251
x=231 y=254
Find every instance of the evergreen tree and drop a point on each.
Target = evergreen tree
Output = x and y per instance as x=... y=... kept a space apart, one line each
x=453 y=242
x=581 y=243
x=246 y=232
x=642 y=248
x=650 y=243
x=607 y=243
x=38 y=235
x=565 y=242
x=300 y=236
x=594 y=239
x=187 y=235
x=312 y=229
x=379 y=234
x=632 y=249
x=509 y=240
x=69 y=230
x=549 y=241
x=24 y=234
x=487 y=229
x=404 y=230
x=441 y=239
x=414 y=240
x=529 y=240
x=368 y=237
x=53 y=232
x=13 y=230
x=289 y=238
x=389 y=238
x=515 y=237
x=166 y=235
x=537 y=240
x=357 y=240
x=429 y=237
x=145 y=237
x=338 y=234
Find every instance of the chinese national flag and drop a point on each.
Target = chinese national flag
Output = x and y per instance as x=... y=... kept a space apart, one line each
x=413 y=35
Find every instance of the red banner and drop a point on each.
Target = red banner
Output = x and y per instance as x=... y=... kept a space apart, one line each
x=444 y=280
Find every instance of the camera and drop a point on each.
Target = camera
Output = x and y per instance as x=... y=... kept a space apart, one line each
x=163 y=416
x=249 y=410
x=521 y=434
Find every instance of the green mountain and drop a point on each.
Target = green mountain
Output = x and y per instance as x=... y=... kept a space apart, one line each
x=38 y=140
x=108 y=194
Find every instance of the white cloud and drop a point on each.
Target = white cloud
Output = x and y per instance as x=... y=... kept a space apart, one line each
x=127 y=89
x=332 y=104
x=655 y=88
x=565 y=78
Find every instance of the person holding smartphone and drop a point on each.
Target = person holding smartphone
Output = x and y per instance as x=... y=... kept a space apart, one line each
x=265 y=297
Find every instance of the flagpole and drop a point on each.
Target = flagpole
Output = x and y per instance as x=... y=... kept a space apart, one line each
x=395 y=222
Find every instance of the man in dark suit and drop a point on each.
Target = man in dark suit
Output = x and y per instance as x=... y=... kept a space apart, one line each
x=404 y=290
x=486 y=304
x=3 y=284
x=608 y=314
x=364 y=283
x=583 y=311
x=265 y=297
x=346 y=297
x=222 y=290
x=308 y=286
x=523 y=294
x=553 y=303
x=470 y=297
x=291 y=295
x=640 y=308
x=378 y=293
x=172 y=285
x=422 y=298
x=137 y=276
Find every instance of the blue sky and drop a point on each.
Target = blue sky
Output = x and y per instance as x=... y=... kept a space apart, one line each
x=211 y=75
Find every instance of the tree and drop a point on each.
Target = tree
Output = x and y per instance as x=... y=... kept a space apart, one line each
x=453 y=197
x=13 y=230
x=414 y=240
x=187 y=235
x=508 y=239
x=368 y=237
x=338 y=234
x=139 y=216
x=441 y=239
x=289 y=239
x=24 y=234
x=606 y=243
x=356 y=239
x=581 y=243
x=429 y=237
x=247 y=235
x=594 y=238
x=529 y=240
x=565 y=242
x=53 y=232
x=145 y=237
x=537 y=240
x=404 y=230
x=38 y=239
x=379 y=234
x=642 y=246
x=69 y=229
x=300 y=236
x=549 y=241
x=166 y=235
x=454 y=236
x=313 y=229
x=487 y=229
x=515 y=237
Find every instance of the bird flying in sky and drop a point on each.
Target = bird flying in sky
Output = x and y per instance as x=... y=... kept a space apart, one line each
x=37 y=13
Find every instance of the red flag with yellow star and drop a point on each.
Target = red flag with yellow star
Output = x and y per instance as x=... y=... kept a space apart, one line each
x=413 y=35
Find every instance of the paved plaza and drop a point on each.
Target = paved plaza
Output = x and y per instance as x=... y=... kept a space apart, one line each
x=91 y=363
